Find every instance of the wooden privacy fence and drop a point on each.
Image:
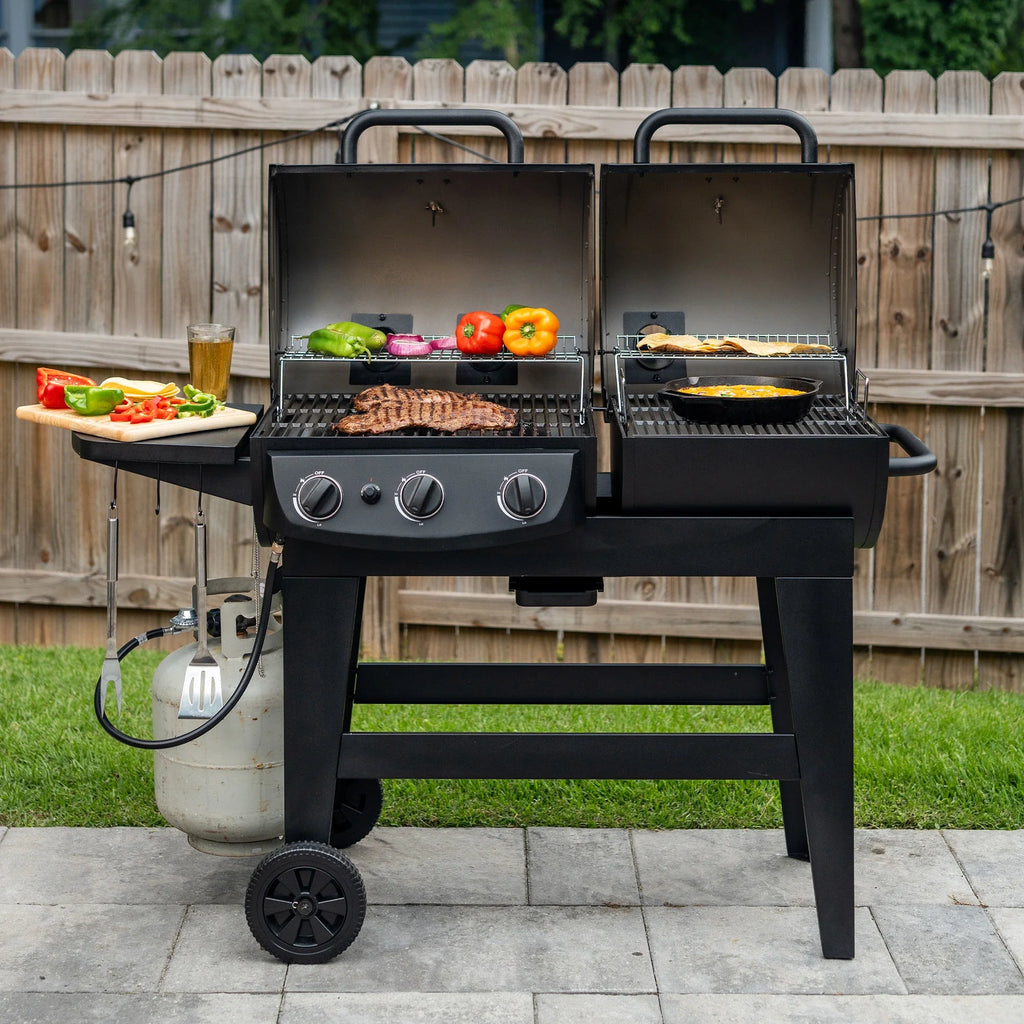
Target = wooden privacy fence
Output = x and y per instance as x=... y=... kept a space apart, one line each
x=940 y=596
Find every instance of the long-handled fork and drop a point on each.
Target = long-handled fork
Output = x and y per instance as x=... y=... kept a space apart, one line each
x=201 y=695
x=111 y=671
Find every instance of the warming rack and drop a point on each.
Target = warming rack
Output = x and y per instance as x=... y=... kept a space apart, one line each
x=562 y=373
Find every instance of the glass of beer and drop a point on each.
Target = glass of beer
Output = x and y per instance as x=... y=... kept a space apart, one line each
x=209 y=357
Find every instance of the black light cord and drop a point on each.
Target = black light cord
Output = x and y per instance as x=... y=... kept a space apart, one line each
x=229 y=704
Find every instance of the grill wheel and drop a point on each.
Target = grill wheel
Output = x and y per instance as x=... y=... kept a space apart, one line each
x=305 y=903
x=357 y=806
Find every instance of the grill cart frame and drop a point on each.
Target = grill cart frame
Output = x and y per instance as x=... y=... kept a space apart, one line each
x=306 y=902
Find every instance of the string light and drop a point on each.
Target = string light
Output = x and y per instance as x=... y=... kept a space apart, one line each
x=128 y=218
x=988 y=249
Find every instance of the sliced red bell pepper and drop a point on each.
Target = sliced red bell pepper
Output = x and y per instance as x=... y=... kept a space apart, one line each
x=144 y=411
x=50 y=385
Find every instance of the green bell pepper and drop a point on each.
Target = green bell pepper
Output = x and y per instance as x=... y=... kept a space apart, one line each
x=373 y=339
x=92 y=401
x=347 y=340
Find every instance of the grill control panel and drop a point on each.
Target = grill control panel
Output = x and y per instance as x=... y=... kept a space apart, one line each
x=412 y=499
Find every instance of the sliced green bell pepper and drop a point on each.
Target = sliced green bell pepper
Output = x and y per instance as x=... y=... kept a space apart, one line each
x=88 y=400
x=199 y=403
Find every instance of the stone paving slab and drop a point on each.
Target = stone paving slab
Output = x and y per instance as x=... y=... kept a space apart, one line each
x=105 y=1007
x=900 y=866
x=489 y=949
x=215 y=951
x=948 y=950
x=408 y=1008
x=762 y=949
x=85 y=948
x=443 y=865
x=842 y=1009
x=720 y=866
x=992 y=860
x=751 y=868
x=1009 y=923
x=553 y=1008
x=116 y=865
x=581 y=867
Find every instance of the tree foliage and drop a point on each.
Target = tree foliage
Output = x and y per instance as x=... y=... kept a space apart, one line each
x=942 y=35
x=259 y=27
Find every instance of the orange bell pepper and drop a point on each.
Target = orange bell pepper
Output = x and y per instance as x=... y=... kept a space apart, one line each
x=531 y=332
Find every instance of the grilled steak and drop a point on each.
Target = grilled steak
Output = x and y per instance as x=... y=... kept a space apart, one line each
x=386 y=408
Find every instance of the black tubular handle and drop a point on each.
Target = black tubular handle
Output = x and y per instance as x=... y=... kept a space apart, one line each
x=444 y=116
x=725 y=115
x=920 y=458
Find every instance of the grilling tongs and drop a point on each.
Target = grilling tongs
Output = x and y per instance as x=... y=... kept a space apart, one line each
x=111 y=671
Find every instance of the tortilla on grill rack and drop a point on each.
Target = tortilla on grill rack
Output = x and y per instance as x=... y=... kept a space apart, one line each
x=725 y=345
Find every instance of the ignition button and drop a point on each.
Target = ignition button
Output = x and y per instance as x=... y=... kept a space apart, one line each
x=370 y=493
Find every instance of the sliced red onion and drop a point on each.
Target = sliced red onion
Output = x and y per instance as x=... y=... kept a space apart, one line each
x=408 y=345
x=445 y=343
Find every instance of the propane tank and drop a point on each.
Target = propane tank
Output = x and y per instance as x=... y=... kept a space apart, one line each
x=225 y=790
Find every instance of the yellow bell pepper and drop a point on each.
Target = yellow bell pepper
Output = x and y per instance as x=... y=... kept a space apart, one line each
x=531 y=332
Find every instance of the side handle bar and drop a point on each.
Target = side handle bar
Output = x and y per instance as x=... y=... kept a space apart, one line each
x=920 y=458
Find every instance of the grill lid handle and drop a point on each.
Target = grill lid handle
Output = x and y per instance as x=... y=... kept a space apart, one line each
x=444 y=116
x=725 y=115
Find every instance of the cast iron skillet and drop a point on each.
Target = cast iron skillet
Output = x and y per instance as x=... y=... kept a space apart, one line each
x=711 y=409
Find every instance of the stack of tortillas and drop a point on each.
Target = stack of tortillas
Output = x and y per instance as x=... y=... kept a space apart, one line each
x=691 y=343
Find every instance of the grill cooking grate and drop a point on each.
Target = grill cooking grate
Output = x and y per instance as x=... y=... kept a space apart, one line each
x=648 y=416
x=543 y=415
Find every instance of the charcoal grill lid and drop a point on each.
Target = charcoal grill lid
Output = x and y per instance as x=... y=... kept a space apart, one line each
x=715 y=409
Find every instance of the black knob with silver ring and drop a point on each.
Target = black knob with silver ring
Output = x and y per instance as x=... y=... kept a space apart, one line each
x=523 y=495
x=421 y=496
x=318 y=498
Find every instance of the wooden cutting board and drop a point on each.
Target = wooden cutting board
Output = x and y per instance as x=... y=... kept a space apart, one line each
x=100 y=426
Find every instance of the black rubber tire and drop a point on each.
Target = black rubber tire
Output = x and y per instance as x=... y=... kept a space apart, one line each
x=357 y=806
x=305 y=903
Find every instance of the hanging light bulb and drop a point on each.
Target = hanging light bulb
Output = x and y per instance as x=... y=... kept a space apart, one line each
x=128 y=223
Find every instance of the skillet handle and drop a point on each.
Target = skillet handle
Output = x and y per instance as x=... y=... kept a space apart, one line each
x=725 y=115
x=920 y=458
x=444 y=116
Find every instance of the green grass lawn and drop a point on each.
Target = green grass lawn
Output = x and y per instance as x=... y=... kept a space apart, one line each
x=924 y=758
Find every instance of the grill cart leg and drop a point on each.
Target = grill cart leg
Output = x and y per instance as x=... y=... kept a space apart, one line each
x=782 y=713
x=317 y=696
x=816 y=617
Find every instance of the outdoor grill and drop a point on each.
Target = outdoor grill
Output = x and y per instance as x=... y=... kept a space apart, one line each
x=763 y=250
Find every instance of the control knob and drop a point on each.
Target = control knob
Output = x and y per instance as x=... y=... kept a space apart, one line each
x=421 y=496
x=523 y=495
x=318 y=498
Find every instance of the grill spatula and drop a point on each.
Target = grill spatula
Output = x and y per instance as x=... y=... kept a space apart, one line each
x=111 y=671
x=201 y=695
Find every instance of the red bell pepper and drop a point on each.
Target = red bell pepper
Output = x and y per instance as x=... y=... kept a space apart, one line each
x=480 y=333
x=50 y=385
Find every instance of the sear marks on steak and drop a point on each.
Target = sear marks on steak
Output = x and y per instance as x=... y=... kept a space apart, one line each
x=386 y=408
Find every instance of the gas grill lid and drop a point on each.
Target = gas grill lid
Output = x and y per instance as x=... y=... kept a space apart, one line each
x=411 y=248
x=720 y=249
